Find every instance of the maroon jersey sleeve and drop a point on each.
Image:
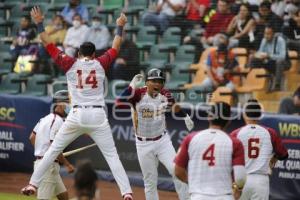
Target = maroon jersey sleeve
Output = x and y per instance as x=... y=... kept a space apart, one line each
x=108 y=58
x=169 y=96
x=182 y=157
x=235 y=133
x=281 y=152
x=60 y=58
x=130 y=95
x=238 y=157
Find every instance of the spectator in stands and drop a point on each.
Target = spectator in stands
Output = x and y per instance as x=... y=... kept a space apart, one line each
x=220 y=63
x=127 y=62
x=266 y=17
x=99 y=35
x=195 y=10
x=75 y=7
x=76 y=35
x=166 y=10
x=290 y=105
x=272 y=55
x=218 y=23
x=21 y=43
x=85 y=179
x=241 y=28
x=278 y=7
x=57 y=32
x=292 y=32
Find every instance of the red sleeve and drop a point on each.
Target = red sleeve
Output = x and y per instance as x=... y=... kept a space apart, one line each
x=130 y=95
x=281 y=152
x=169 y=96
x=182 y=157
x=234 y=133
x=108 y=58
x=60 y=58
x=238 y=157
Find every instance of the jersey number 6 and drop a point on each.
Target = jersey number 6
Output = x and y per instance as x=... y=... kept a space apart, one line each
x=209 y=155
x=90 y=79
x=253 y=149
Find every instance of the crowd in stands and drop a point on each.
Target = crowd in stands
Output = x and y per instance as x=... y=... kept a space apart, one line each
x=266 y=29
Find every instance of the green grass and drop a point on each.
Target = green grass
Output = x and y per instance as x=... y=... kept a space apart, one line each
x=7 y=196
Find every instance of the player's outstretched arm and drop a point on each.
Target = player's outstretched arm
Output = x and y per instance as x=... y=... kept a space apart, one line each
x=38 y=18
x=121 y=21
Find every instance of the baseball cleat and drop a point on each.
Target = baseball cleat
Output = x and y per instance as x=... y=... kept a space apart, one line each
x=127 y=196
x=29 y=190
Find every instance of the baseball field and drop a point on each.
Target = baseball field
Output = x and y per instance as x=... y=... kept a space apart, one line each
x=11 y=184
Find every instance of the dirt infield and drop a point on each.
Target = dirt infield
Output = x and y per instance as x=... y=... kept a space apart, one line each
x=13 y=182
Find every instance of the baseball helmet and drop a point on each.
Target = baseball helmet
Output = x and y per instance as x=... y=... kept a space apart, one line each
x=61 y=96
x=155 y=74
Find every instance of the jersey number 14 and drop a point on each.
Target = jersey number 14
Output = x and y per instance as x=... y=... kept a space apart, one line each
x=89 y=80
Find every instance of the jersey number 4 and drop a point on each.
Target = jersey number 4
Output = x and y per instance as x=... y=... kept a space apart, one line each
x=253 y=149
x=209 y=155
x=89 y=80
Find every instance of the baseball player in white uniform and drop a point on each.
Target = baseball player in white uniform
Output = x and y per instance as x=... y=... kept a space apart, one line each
x=41 y=137
x=153 y=143
x=263 y=147
x=85 y=77
x=207 y=158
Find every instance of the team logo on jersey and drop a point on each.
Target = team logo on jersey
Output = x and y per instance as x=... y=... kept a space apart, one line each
x=147 y=113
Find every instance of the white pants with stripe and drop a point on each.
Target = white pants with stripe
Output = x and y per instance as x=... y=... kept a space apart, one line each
x=92 y=121
x=256 y=187
x=149 y=154
x=52 y=184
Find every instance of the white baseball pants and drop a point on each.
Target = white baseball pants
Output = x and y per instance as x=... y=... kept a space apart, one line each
x=92 y=121
x=211 y=197
x=256 y=187
x=149 y=154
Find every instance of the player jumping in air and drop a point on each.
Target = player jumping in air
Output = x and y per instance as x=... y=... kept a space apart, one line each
x=85 y=77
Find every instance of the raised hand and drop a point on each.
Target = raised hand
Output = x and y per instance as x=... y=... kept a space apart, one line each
x=122 y=20
x=37 y=15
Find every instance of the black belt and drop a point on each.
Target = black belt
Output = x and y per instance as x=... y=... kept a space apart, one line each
x=41 y=157
x=88 y=106
x=149 y=139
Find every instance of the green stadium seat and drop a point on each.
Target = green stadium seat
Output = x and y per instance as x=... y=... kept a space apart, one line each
x=157 y=58
x=9 y=85
x=146 y=37
x=60 y=84
x=171 y=38
x=37 y=85
x=195 y=96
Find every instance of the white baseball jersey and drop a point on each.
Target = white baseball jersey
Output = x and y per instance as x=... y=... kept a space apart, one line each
x=45 y=131
x=149 y=113
x=209 y=157
x=259 y=143
x=85 y=77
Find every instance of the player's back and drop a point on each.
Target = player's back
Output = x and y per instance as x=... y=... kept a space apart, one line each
x=86 y=82
x=210 y=163
x=257 y=142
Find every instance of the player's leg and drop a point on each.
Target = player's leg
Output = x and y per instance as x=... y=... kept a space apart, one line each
x=148 y=163
x=47 y=186
x=256 y=188
x=166 y=155
x=104 y=140
x=60 y=189
x=66 y=134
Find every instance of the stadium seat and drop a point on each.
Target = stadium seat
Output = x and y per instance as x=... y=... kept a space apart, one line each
x=156 y=59
x=202 y=59
x=9 y=85
x=171 y=38
x=59 y=84
x=222 y=94
x=294 y=58
x=199 y=76
x=146 y=37
x=257 y=79
x=37 y=85
x=242 y=57
x=195 y=96
x=134 y=8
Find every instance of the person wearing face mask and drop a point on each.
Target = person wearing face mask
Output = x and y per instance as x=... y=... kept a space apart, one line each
x=41 y=138
x=220 y=63
x=76 y=35
x=75 y=7
x=99 y=35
